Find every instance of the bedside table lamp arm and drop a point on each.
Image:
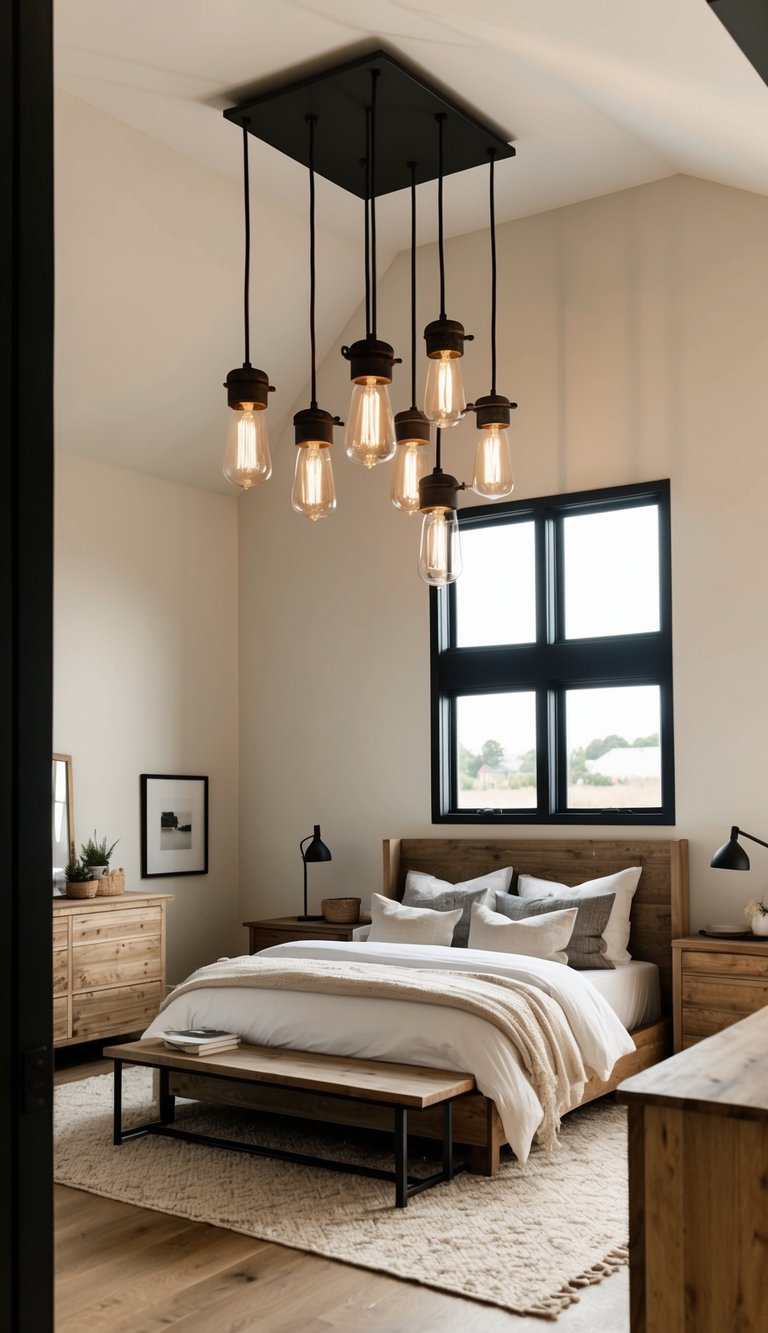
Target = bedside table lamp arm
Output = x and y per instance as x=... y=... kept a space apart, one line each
x=731 y=856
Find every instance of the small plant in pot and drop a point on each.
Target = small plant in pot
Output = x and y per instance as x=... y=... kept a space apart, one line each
x=96 y=855
x=757 y=915
x=80 y=881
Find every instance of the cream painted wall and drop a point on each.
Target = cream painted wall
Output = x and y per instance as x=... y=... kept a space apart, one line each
x=146 y=673
x=633 y=334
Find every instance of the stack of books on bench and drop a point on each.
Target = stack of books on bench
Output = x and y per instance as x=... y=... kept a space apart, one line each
x=201 y=1041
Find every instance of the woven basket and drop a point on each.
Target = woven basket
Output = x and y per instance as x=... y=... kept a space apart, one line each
x=342 y=911
x=83 y=888
x=110 y=885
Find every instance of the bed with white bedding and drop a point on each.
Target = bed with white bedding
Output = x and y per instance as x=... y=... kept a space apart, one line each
x=618 y=1017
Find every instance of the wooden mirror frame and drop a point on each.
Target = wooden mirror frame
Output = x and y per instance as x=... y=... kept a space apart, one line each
x=65 y=759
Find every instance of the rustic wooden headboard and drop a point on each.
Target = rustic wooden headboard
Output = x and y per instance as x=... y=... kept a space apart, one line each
x=659 y=907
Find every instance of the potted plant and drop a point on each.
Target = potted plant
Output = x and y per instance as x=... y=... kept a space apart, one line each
x=80 y=881
x=96 y=855
x=757 y=914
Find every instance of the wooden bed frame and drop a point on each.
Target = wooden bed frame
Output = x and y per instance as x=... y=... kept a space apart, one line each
x=659 y=915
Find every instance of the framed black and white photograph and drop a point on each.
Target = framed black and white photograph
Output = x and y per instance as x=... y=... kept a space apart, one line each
x=174 y=825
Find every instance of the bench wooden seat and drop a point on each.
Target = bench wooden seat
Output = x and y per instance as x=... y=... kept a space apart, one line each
x=399 y=1087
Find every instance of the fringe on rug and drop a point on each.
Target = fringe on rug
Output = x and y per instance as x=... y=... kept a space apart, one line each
x=551 y=1307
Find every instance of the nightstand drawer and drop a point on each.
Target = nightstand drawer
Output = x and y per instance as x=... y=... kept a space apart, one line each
x=725 y=964
x=741 y=997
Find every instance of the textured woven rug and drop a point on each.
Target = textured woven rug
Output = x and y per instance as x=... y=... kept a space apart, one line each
x=527 y=1239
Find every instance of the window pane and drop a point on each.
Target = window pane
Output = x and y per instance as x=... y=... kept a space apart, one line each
x=614 y=755
x=496 y=751
x=611 y=572
x=496 y=594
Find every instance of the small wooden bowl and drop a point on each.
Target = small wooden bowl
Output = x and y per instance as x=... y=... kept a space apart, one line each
x=341 y=911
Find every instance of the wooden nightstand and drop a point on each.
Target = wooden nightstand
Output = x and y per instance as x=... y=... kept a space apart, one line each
x=715 y=983
x=281 y=929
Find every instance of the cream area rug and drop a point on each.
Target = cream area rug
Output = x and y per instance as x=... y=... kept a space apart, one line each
x=527 y=1239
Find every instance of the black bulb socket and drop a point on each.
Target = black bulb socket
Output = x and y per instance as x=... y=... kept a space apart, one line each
x=370 y=359
x=247 y=388
x=411 y=425
x=314 y=426
x=493 y=409
x=446 y=335
x=438 y=491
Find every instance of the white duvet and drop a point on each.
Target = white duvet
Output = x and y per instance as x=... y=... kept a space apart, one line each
x=409 y=1032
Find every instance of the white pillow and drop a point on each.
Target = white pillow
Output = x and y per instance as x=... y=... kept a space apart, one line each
x=544 y=936
x=391 y=923
x=440 y=895
x=623 y=884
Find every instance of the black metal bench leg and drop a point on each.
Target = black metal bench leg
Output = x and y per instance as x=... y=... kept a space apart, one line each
x=117 y=1121
x=448 y=1140
x=167 y=1102
x=401 y=1157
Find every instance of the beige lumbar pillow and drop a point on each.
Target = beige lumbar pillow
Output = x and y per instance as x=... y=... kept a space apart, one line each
x=544 y=936
x=392 y=923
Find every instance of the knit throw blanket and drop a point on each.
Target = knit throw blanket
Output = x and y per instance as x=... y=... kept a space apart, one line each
x=528 y=1018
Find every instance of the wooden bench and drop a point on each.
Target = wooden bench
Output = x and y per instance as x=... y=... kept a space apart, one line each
x=401 y=1088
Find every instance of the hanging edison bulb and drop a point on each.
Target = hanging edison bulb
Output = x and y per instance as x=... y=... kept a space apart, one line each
x=247 y=460
x=445 y=401
x=314 y=492
x=492 y=477
x=440 y=549
x=370 y=431
x=412 y=430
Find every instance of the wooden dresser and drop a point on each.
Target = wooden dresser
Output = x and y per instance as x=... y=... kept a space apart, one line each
x=698 y=1186
x=108 y=965
x=715 y=983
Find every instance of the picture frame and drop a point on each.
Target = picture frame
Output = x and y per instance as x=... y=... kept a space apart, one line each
x=174 y=825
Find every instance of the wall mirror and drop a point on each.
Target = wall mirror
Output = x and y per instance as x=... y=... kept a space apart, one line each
x=63 y=818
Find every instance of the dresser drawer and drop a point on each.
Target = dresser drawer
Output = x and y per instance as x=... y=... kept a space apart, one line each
x=724 y=964
x=120 y=1009
x=123 y=923
x=61 y=1019
x=60 y=971
x=110 y=962
x=60 y=934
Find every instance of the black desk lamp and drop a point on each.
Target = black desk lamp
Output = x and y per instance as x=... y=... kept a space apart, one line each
x=316 y=851
x=731 y=856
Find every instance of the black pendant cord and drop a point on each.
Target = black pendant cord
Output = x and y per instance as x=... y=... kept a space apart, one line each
x=312 y=120
x=247 y=277
x=438 y=449
x=493 y=274
x=372 y=158
x=412 y=169
x=367 y=235
x=440 y=118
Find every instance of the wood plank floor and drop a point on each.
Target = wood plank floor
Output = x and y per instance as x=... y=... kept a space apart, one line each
x=123 y=1269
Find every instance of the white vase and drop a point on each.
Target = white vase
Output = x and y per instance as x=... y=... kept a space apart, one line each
x=760 y=923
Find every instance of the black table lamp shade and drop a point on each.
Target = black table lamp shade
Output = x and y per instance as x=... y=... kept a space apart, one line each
x=731 y=856
x=316 y=851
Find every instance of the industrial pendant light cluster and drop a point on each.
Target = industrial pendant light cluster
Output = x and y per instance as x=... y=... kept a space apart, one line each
x=377 y=93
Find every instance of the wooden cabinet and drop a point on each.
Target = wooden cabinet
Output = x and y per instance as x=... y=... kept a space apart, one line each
x=698 y=1188
x=715 y=983
x=108 y=965
x=282 y=929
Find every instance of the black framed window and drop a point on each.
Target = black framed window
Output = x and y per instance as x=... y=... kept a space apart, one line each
x=552 y=663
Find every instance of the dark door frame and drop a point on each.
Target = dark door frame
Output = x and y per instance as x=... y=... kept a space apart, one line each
x=26 y=596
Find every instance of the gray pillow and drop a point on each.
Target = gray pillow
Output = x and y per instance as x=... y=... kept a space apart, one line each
x=440 y=895
x=586 y=947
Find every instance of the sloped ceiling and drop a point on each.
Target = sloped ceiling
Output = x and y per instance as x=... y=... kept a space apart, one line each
x=597 y=97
